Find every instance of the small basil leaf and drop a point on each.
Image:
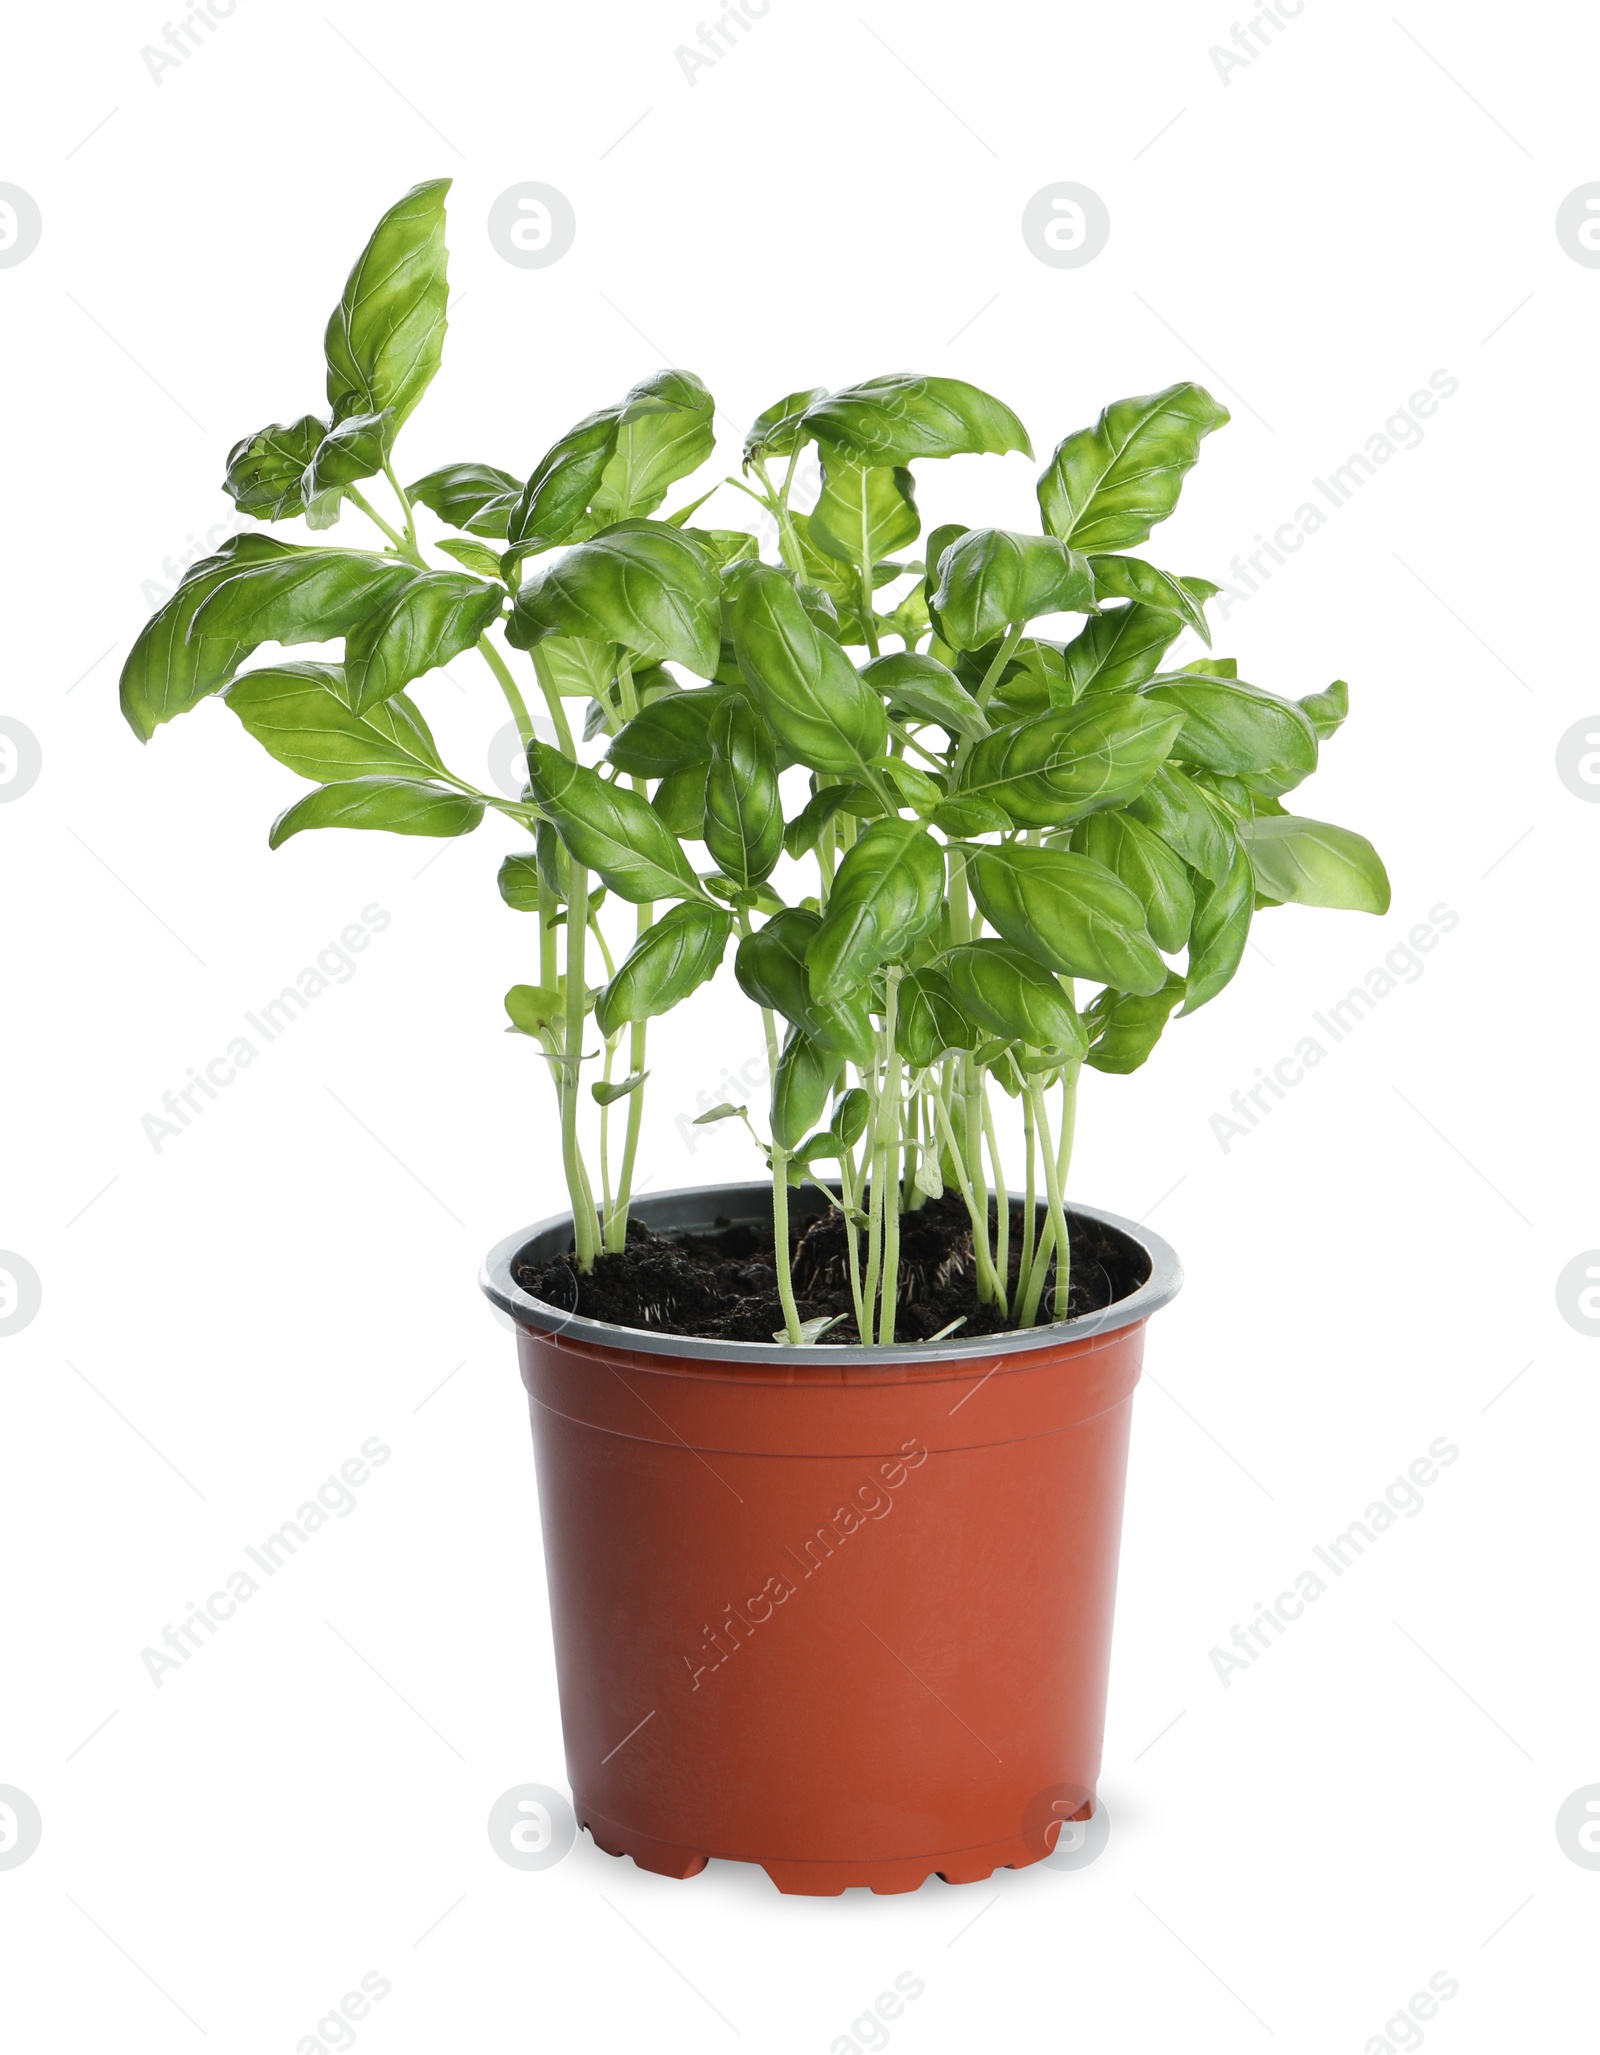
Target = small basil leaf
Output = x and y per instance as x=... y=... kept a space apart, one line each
x=265 y=469
x=1132 y=578
x=664 y=432
x=1106 y=487
x=1006 y=990
x=886 y=895
x=1149 y=867
x=641 y=584
x=928 y=1023
x=1069 y=913
x=893 y=419
x=929 y=690
x=610 y=830
x=428 y=623
x=864 y=512
x=1232 y=728
x=1315 y=864
x=1125 y=1026
x=476 y=497
x=384 y=338
x=305 y=595
x=744 y=813
x=991 y=578
x=801 y=1089
x=299 y=714
x=776 y=430
x=1221 y=930
x=802 y=681
x=165 y=674
x=670 y=960
x=1062 y=766
x=1326 y=711
x=398 y=806
x=518 y=880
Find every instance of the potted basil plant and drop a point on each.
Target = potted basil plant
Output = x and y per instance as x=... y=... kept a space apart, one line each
x=830 y=1462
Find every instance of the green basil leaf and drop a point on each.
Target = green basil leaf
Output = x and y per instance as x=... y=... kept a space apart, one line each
x=608 y=1095
x=385 y=337
x=535 y=1009
x=1005 y=990
x=1062 y=766
x=1070 y=913
x=265 y=470
x=928 y=1023
x=864 y=512
x=476 y=557
x=680 y=800
x=165 y=674
x=724 y=546
x=518 y=880
x=664 y=432
x=304 y=595
x=1313 y=863
x=1149 y=867
x=991 y=578
x=803 y=683
x=641 y=584
x=1233 y=728
x=1326 y=711
x=776 y=430
x=1175 y=808
x=299 y=714
x=669 y=961
x=886 y=895
x=771 y=969
x=353 y=449
x=476 y=497
x=804 y=831
x=893 y=419
x=428 y=623
x=1106 y=487
x=744 y=813
x=1221 y=929
x=966 y=816
x=553 y=505
x=1125 y=1026
x=1132 y=578
x=398 y=806
x=801 y=1089
x=922 y=686
x=610 y=830
x=671 y=734
x=1118 y=650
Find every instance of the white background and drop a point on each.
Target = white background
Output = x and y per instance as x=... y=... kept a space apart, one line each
x=225 y=1320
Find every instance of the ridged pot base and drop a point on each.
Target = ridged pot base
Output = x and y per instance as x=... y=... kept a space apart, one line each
x=823 y=1879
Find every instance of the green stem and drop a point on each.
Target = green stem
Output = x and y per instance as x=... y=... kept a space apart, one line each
x=1002 y=656
x=552 y=700
x=508 y=685
x=988 y=1284
x=377 y=520
x=780 y=1185
x=1058 y=1218
x=890 y=1103
x=584 y=1238
x=849 y=1189
x=1030 y=1210
x=1002 y=1200
x=405 y=509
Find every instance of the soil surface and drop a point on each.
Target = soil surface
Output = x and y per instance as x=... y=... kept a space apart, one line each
x=722 y=1286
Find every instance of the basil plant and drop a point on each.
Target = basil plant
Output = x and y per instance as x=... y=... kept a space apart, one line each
x=923 y=831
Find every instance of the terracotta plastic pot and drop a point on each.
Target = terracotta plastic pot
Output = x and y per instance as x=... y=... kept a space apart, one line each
x=842 y=1612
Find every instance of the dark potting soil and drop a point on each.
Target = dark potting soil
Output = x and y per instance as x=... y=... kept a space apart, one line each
x=722 y=1286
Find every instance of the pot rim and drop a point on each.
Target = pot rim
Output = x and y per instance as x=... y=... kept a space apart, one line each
x=699 y=1206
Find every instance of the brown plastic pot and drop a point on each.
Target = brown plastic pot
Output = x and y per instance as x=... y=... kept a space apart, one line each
x=842 y=1612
